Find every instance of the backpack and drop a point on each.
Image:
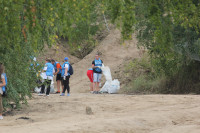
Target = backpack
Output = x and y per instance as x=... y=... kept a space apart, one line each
x=70 y=71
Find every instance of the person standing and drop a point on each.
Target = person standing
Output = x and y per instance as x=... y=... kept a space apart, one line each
x=48 y=70
x=2 y=83
x=90 y=76
x=96 y=65
x=66 y=76
x=58 y=70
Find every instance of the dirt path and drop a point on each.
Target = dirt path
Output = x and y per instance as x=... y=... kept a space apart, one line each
x=112 y=114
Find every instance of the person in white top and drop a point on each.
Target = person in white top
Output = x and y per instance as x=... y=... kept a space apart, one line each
x=47 y=75
x=2 y=83
x=66 y=77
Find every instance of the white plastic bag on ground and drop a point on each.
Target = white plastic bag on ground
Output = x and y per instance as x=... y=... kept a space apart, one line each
x=106 y=86
x=114 y=86
x=110 y=86
x=37 y=90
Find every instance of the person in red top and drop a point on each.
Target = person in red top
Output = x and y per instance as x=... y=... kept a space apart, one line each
x=90 y=76
x=58 y=70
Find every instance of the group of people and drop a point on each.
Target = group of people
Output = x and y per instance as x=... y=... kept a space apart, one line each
x=62 y=73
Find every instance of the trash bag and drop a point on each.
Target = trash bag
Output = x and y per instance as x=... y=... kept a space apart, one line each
x=107 y=73
x=114 y=86
x=110 y=86
x=37 y=89
x=52 y=87
x=106 y=86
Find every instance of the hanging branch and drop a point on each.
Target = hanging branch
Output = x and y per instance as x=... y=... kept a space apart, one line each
x=106 y=22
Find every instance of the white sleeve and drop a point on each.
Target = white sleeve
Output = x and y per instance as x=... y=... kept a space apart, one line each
x=45 y=68
x=2 y=76
x=66 y=65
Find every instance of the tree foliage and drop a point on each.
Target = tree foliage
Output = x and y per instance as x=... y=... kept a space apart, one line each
x=170 y=32
x=27 y=25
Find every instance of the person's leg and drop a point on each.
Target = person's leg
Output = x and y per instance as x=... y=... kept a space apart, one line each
x=92 y=78
x=67 y=84
x=91 y=86
x=1 y=107
x=48 y=87
x=97 y=86
x=95 y=78
x=39 y=83
x=94 y=84
x=58 y=86
x=58 y=80
x=62 y=84
x=98 y=81
x=43 y=87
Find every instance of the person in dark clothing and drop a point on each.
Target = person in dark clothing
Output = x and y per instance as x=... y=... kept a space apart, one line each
x=48 y=70
x=96 y=65
x=66 y=76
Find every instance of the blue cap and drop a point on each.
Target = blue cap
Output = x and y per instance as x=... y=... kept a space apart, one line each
x=66 y=58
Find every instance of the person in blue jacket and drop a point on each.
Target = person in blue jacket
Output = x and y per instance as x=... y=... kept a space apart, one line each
x=66 y=75
x=48 y=71
x=96 y=65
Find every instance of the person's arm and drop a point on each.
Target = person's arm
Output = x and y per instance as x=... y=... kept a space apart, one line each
x=93 y=65
x=44 y=69
x=58 y=69
x=66 y=69
x=53 y=70
x=3 y=82
x=102 y=63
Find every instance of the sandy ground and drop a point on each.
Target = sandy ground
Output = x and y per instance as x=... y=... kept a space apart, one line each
x=115 y=113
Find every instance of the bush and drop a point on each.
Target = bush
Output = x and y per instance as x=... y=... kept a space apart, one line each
x=143 y=78
x=144 y=84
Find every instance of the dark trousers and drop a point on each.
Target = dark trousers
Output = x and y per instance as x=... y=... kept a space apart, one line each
x=48 y=84
x=66 y=84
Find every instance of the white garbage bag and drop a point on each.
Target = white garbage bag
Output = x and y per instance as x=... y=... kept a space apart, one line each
x=107 y=73
x=106 y=86
x=110 y=86
x=52 y=87
x=114 y=86
x=37 y=89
